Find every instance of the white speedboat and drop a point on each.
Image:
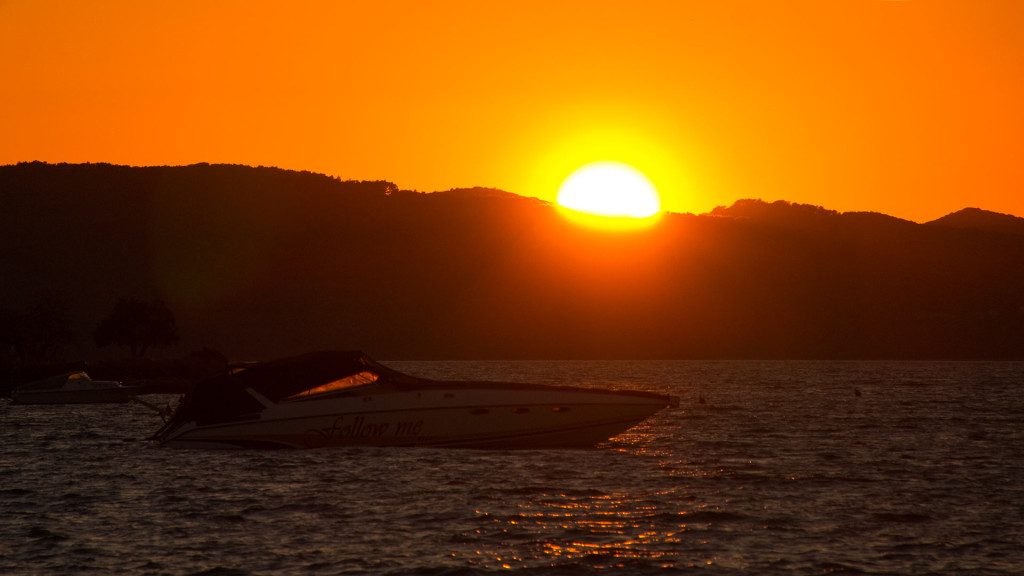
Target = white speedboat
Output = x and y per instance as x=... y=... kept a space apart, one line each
x=346 y=399
x=72 y=388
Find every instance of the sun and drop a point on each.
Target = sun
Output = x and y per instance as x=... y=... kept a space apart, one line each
x=610 y=190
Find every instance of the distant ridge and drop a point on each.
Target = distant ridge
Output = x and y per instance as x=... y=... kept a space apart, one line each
x=976 y=218
x=479 y=192
x=780 y=209
x=809 y=216
x=789 y=213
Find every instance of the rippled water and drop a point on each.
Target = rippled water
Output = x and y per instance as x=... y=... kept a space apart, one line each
x=783 y=470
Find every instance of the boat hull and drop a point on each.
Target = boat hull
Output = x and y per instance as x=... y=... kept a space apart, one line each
x=516 y=417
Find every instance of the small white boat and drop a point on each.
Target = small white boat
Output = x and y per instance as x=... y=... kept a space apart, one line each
x=72 y=388
x=346 y=399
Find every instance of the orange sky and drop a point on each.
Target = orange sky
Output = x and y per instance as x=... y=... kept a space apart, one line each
x=911 y=108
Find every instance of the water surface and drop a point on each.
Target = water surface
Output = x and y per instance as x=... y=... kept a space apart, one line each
x=784 y=469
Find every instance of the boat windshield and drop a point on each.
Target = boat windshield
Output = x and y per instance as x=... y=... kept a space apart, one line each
x=354 y=381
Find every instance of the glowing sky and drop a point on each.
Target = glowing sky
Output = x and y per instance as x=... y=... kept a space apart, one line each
x=909 y=108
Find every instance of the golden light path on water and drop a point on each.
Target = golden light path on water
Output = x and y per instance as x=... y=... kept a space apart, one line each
x=627 y=522
x=614 y=530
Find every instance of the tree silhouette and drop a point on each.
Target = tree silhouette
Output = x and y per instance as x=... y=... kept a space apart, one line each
x=137 y=325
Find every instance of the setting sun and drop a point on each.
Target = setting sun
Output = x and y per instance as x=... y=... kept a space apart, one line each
x=611 y=189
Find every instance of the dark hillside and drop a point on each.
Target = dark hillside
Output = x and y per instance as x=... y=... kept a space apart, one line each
x=262 y=262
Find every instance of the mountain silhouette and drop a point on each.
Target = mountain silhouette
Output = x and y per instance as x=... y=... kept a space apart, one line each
x=263 y=262
x=978 y=219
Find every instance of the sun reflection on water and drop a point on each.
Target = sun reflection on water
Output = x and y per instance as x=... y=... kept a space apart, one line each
x=594 y=530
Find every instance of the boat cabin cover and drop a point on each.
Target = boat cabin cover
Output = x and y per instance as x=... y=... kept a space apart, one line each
x=79 y=379
x=241 y=394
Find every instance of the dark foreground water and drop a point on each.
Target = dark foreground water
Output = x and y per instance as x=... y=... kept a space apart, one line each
x=784 y=470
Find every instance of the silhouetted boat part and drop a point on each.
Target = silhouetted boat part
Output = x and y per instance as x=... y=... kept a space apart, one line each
x=346 y=399
x=72 y=388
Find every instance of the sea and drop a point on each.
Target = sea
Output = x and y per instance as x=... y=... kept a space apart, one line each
x=765 y=467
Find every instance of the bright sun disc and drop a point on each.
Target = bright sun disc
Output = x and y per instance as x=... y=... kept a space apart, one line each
x=610 y=189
